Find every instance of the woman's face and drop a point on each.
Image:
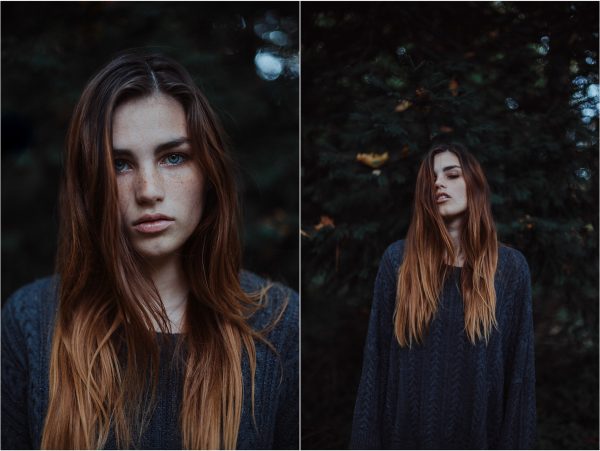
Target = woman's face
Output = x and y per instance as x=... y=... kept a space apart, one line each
x=160 y=184
x=450 y=188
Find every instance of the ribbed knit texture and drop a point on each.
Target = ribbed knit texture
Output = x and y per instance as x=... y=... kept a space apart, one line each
x=448 y=393
x=27 y=321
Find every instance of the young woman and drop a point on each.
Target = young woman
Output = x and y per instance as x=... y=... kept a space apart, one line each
x=150 y=336
x=448 y=361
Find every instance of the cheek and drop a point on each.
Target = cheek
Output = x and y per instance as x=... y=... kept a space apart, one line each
x=124 y=192
x=462 y=190
x=190 y=190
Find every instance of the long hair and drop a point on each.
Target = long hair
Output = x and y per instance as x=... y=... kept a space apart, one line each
x=429 y=250
x=104 y=341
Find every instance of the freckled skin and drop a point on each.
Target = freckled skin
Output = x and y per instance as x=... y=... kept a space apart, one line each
x=450 y=182
x=150 y=184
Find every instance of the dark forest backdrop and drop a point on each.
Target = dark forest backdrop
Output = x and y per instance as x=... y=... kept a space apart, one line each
x=243 y=56
x=518 y=84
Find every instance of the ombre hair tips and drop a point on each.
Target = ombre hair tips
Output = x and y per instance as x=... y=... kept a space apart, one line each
x=429 y=254
x=104 y=341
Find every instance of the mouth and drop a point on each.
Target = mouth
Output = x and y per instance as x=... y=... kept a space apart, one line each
x=153 y=223
x=441 y=197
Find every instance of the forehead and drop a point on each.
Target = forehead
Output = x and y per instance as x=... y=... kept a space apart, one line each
x=443 y=160
x=148 y=120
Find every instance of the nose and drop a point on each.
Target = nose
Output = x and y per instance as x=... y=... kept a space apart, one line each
x=149 y=186
x=438 y=183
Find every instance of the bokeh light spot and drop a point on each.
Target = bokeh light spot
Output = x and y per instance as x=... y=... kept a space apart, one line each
x=268 y=66
x=511 y=103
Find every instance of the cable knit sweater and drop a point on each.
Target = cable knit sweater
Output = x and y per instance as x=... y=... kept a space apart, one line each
x=448 y=393
x=27 y=321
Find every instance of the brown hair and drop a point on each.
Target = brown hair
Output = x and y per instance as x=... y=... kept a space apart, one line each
x=428 y=248
x=104 y=341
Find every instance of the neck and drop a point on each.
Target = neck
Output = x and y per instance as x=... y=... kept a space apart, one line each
x=171 y=283
x=454 y=227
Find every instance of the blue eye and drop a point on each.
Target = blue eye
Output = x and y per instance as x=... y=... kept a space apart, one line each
x=174 y=159
x=121 y=166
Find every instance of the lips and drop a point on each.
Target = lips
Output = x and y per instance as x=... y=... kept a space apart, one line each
x=154 y=223
x=441 y=197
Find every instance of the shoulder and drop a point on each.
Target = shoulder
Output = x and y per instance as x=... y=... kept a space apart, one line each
x=387 y=278
x=512 y=264
x=30 y=304
x=393 y=255
x=390 y=261
x=27 y=319
x=513 y=282
x=278 y=302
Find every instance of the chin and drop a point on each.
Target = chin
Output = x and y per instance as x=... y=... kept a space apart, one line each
x=157 y=251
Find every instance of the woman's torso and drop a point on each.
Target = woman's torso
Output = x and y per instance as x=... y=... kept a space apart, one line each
x=26 y=342
x=446 y=393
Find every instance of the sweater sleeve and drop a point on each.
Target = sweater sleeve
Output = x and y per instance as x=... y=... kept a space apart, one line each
x=366 y=427
x=15 y=377
x=518 y=430
x=287 y=433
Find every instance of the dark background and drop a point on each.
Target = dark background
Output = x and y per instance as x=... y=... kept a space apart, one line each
x=518 y=84
x=50 y=50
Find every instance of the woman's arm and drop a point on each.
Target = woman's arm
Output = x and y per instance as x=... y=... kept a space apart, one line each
x=287 y=433
x=518 y=429
x=15 y=380
x=286 y=428
x=366 y=427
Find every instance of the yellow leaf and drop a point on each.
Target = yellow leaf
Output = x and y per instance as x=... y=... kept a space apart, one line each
x=453 y=87
x=403 y=105
x=446 y=129
x=373 y=160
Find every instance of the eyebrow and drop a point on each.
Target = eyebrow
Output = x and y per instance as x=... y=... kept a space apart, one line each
x=160 y=148
x=447 y=168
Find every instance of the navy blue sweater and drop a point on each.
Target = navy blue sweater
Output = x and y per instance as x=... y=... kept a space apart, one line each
x=448 y=393
x=27 y=321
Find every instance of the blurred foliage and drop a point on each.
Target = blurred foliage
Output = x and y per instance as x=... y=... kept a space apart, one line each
x=518 y=84
x=50 y=50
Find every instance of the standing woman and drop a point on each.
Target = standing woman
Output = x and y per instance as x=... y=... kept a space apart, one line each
x=449 y=361
x=150 y=336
